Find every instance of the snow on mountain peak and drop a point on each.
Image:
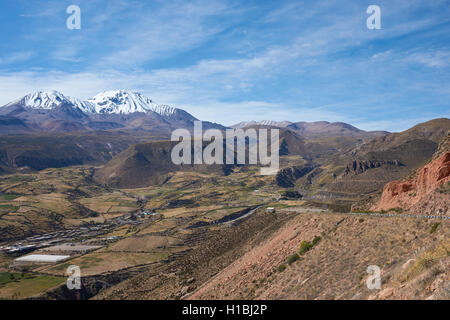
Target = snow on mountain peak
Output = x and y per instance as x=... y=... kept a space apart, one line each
x=121 y=102
x=43 y=99
x=125 y=102
x=50 y=100
x=106 y=102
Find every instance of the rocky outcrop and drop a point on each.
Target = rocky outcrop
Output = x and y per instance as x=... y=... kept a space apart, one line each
x=360 y=166
x=286 y=177
x=426 y=192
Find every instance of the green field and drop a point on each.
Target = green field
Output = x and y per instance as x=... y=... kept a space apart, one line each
x=24 y=285
x=8 y=196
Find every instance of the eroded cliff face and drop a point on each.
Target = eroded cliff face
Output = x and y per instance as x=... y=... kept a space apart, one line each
x=428 y=192
x=360 y=166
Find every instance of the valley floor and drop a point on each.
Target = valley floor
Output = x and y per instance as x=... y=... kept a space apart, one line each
x=205 y=236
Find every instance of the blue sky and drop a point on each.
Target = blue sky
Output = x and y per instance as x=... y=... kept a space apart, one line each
x=231 y=61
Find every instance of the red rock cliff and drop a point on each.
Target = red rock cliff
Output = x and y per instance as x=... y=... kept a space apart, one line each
x=419 y=194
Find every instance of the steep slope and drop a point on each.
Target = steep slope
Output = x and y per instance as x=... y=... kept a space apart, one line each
x=413 y=261
x=129 y=117
x=320 y=141
x=249 y=260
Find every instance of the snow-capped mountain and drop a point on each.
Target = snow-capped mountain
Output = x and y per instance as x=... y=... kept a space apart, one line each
x=281 y=124
x=107 y=102
x=120 y=109
x=127 y=102
x=121 y=102
x=48 y=100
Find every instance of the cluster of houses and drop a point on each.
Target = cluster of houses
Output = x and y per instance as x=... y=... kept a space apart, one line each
x=62 y=244
x=18 y=249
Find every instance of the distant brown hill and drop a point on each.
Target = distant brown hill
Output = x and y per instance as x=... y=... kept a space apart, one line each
x=41 y=151
x=327 y=129
x=292 y=144
x=148 y=164
x=432 y=130
x=316 y=129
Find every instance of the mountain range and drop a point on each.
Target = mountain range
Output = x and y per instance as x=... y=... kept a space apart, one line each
x=314 y=129
x=121 y=129
x=52 y=111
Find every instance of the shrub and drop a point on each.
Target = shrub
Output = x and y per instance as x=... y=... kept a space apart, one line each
x=426 y=261
x=316 y=240
x=397 y=210
x=293 y=258
x=281 y=267
x=305 y=246
x=434 y=227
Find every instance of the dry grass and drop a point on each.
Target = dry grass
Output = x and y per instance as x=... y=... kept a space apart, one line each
x=428 y=260
x=146 y=243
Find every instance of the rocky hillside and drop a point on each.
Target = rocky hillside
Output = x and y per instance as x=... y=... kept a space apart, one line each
x=294 y=254
x=325 y=256
x=427 y=192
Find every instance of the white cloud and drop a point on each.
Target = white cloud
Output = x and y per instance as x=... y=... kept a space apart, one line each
x=123 y=42
x=16 y=57
x=172 y=28
x=434 y=59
